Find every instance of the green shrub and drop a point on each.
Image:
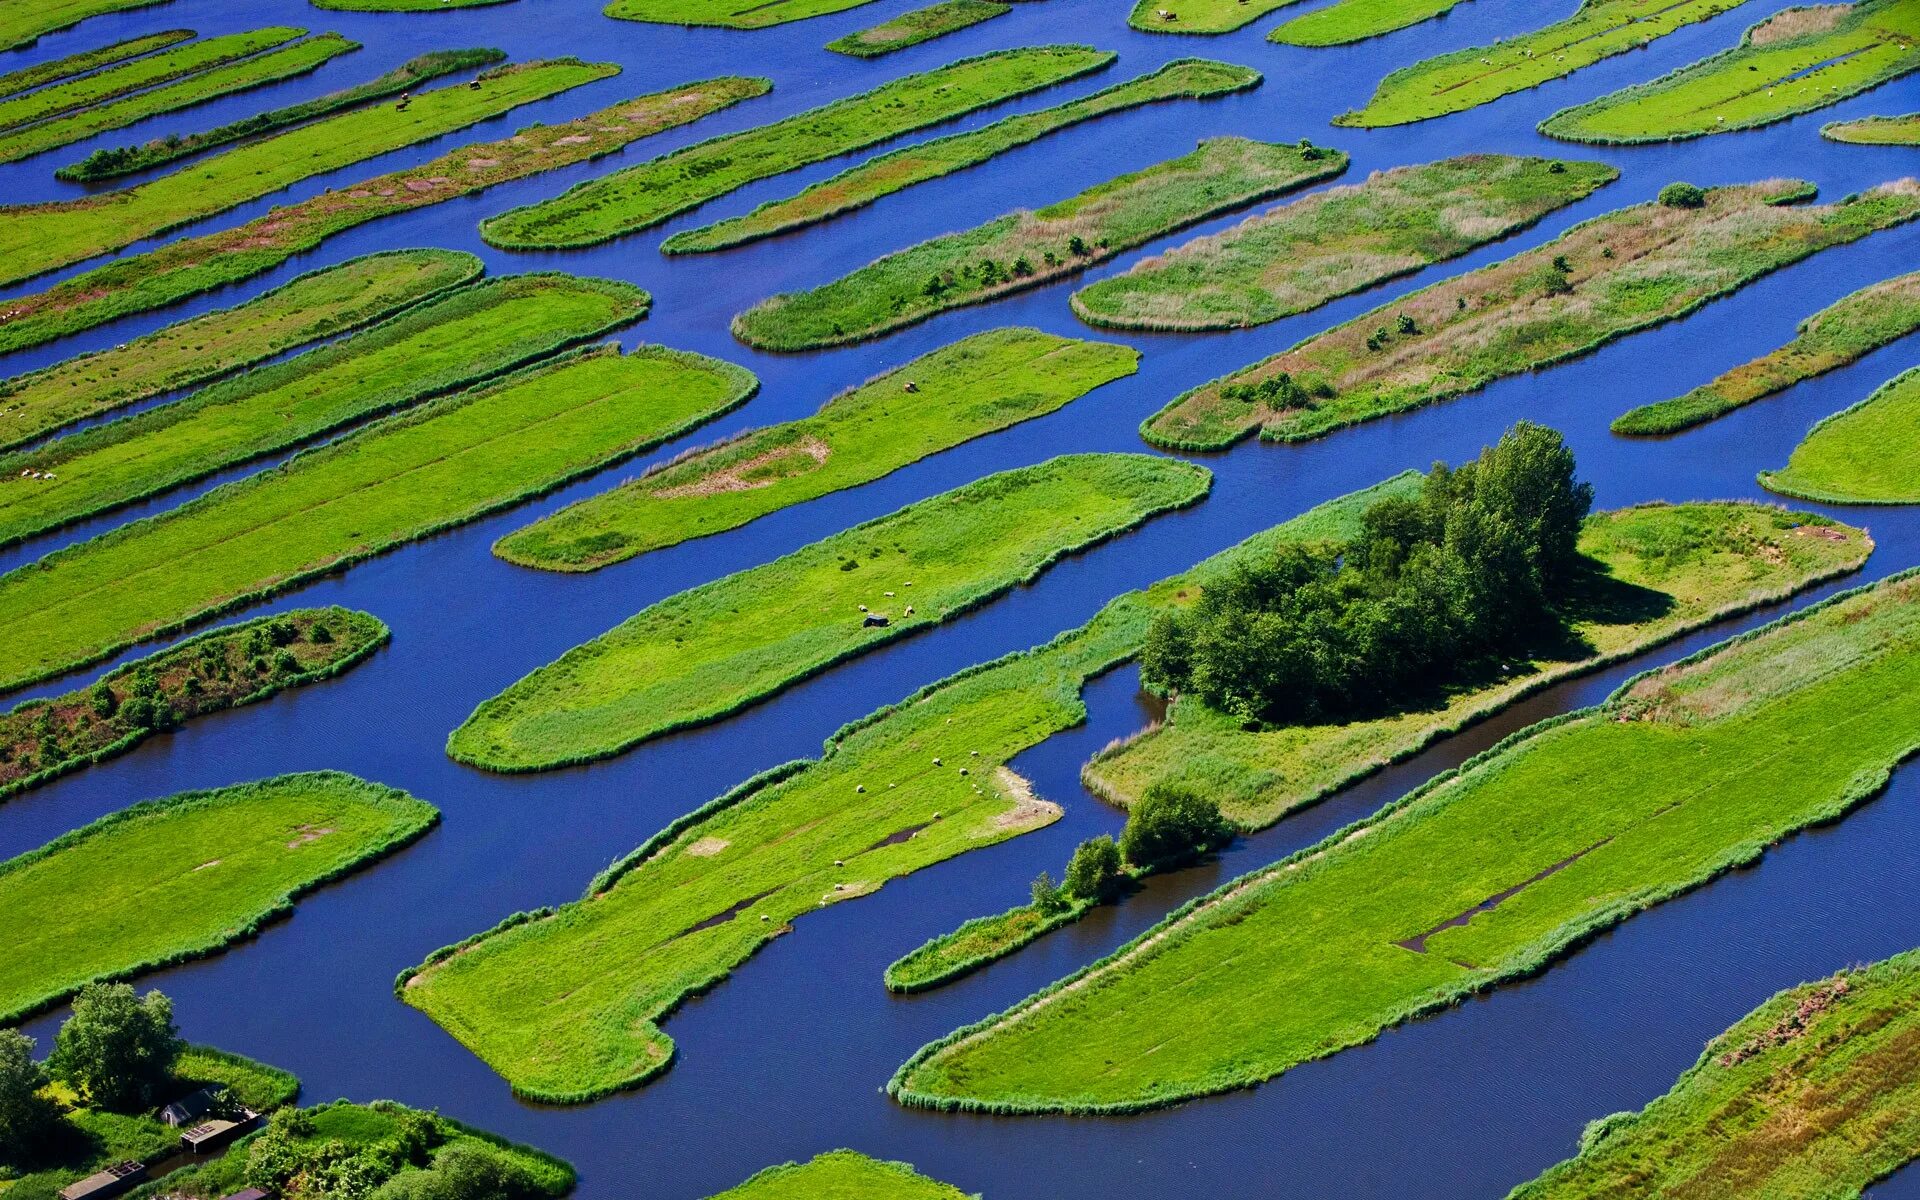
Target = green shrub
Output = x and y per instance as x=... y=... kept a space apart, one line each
x=1093 y=873
x=1683 y=195
x=1170 y=825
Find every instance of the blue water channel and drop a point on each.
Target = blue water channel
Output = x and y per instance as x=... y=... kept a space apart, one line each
x=787 y=1057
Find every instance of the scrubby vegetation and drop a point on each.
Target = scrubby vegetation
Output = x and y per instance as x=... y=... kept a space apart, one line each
x=1029 y=248
x=841 y=1175
x=919 y=25
x=40 y=74
x=1876 y=131
x=715 y=649
x=1346 y=21
x=1867 y=454
x=22 y=24
x=1625 y=271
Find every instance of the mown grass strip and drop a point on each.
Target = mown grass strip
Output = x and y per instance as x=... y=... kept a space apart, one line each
x=1347 y=21
x=565 y=1003
x=1838 y=334
x=976 y=943
x=885 y=174
x=183 y=877
x=1486 y=874
x=977 y=385
x=114 y=161
x=1657 y=572
x=1796 y=61
x=920 y=25
x=449 y=342
x=1875 y=131
x=403 y=477
x=638 y=197
x=841 y=1175
x=22 y=22
x=715 y=649
x=1866 y=454
x=35 y=238
x=1811 y=1094
x=224 y=668
x=1616 y=274
x=1464 y=79
x=322 y=303
x=1338 y=241
x=295 y=59
x=1027 y=249
x=27 y=78
x=191 y=266
x=141 y=73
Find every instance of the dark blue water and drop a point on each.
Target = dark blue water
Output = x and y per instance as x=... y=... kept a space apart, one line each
x=786 y=1059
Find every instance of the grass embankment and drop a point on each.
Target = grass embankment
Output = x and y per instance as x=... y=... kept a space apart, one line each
x=403 y=477
x=26 y=78
x=223 y=668
x=1796 y=61
x=1811 y=1094
x=1616 y=274
x=191 y=266
x=322 y=303
x=22 y=22
x=1658 y=571
x=642 y=196
x=841 y=1175
x=885 y=174
x=1483 y=875
x=565 y=1004
x=448 y=342
x=977 y=385
x=287 y=62
x=1338 y=241
x=920 y=25
x=141 y=73
x=182 y=877
x=35 y=238
x=1866 y=454
x=1464 y=79
x=1347 y=21
x=1027 y=249
x=977 y=942
x=1841 y=333
x=715 y=649
x=1875 y=131
x=115 y=161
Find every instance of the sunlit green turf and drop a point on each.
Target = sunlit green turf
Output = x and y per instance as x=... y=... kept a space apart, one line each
x=141 y=73
x=1867 y=454
x=1347 y=21
x=1876 y=131
x=841 y=1175
x=23 y=21
x=732 y=14
x=920 y=25
x=15 y=82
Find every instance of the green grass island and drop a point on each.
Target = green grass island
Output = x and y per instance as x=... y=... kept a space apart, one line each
x=21 y=24
x=917 y=26
x=140 y=74
x=1875 y=131
x=1866 y=454
x=841 y=1175
x=974 y=944
x=726 y=14
x=1346 y=21
x=26 y=78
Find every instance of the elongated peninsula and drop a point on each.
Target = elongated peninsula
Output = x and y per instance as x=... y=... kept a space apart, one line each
x=1867 y=454
x=1875 y=131
x=1346 y=21
x=22 y=24
x=729 y=14
x=73 y=65
x=141 y=73
x=920 y=25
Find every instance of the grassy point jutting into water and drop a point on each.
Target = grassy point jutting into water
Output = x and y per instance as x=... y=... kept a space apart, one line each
x=1867 y=454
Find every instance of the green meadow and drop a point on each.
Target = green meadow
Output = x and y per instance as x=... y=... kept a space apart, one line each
x=1867 y=454
x=15 y=82
x=715 y=649
x=1811 y=1094
x=36 y=238
x=140 y=74
x=450 y=341
x=193 y=265
x=980 y=384
x=23 y=21
x=323 y=303
x=1028 y=248
x=1199 y=16
x=1876 y=131
x=730 y=14
x=403 y=477
x=566 y=1003
x=400 y=5
x=977 y=942
x=167 y=880
x=1658 y=571
x=920 y=25
x=1334 y=242
x=638 y=197
x=1796 y=61
x=1485 y=874
x=1628 y=270
x=1838 y=334
x=1346 y=21
x=1464 y=79
x=841 y=1175
x=884 y=174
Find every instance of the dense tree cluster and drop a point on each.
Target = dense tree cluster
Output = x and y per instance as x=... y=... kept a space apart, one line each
x=1166 y=827
x=414 y=1162
x=116 y=1052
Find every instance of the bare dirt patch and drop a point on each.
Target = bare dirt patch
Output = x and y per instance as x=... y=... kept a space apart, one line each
x=1798 y=22
x=307 y=834
x=755 y=472
x=707 y=847
x=1028 y=810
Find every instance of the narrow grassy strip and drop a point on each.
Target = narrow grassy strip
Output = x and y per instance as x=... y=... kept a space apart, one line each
x=176 y=63
x=224 y=668
x=1658 y=571
x=715 y=649
x=1796 y=61
x=1841 y=333
x=1628 y=270
x=191 y=266
x=168 y=880
x=642 y=196
x=730 y=14
x=841 y=1175
x=322 y=303
x=919 y=25
x=1484 y=875
x=22 y=22
x=1811 y=1094
x=288 y=62
x=896 y=170
x=565 y=1004
x=1346 y=21
x=1027 y=249
x=27 y=78
x=401 y=5
x=404 y=477
x=449 y=342
x=1297 y=257
x=35 y=238
x=1866 y=454
x=1199 y=16
x=1464 y=79
x=114 y=161
x=1875 y=131
x=976 y=943
x=977 y=385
